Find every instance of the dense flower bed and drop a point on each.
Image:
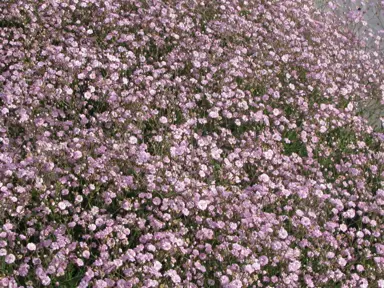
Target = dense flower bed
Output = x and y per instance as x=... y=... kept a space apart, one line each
x=188 y=144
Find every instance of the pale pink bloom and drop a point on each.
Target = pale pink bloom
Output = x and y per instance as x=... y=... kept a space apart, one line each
x=343 y=227
x=92 y=227
x=133 y=140
x=10 y=258
x=62 y=205
x=342 y=262
x=294 y=266
x=202 y=204
x=77 y=155
x=215 y=152
x=264 y=178
x=163 y=120
x=31 y=246
x=283 y=234
x=305 y=221
x=86 y=254
x=213 y=114
x=79 y=262
x=268 y=154
x=285 y=58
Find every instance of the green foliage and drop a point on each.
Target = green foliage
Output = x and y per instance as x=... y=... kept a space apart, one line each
x=295 y=146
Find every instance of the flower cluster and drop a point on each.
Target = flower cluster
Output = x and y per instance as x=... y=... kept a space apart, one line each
x=188 y=144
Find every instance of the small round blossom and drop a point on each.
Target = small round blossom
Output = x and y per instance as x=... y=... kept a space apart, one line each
x=268 y=154
x=224 y=280
x=360 y=268
x=236 y=284
x=86 y=254
x=31 y=246
x=157 y=265
x=283 y=234
x=305 y=221
x=133 y=140
x=45 y=280
x=342 y=262
x=62 y=205
x=101 y=283
x=294 y=266
x=8 y=227
x=285 y=58
x=10 y=258
x=77 y=155
x=263 y=260
x=79 y=262
x=216 y=153
x=343 y=227
x=202 y=204
x=264 y=178
x=166 y=246
x=92 y=227
x=213 y=114
x=163 y=120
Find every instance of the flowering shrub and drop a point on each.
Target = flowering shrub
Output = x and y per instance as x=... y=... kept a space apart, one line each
x=188 y=144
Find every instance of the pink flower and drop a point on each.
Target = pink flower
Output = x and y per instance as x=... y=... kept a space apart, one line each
x=202 y=204
x=216 y=153
x=79 y=262
x=268 y=154
x=213 y=114
x=156 y=201
x=224 y=279
x=343 y=227
x=174 y=276
x=101 y=284
x=256 y=265
x=8 y=227
x=294 y=266
x=305 y=221
x=92 y=227
x=283 y=234
x=79 y=199
x=285 y=58
x=157 y=265
x=163 y=120
x=133 y=140
x=62 y=205
x=342 y=262
x=263 y=260
x=10 y=258
x=264 y=178
x=236 y=284
x=77 y=155
x=360 y=268
x=45 y=280
x=166 y=246
x=86 y=254
x=31 y=246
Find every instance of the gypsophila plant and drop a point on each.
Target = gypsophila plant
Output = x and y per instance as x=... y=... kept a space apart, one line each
x=158 y=143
